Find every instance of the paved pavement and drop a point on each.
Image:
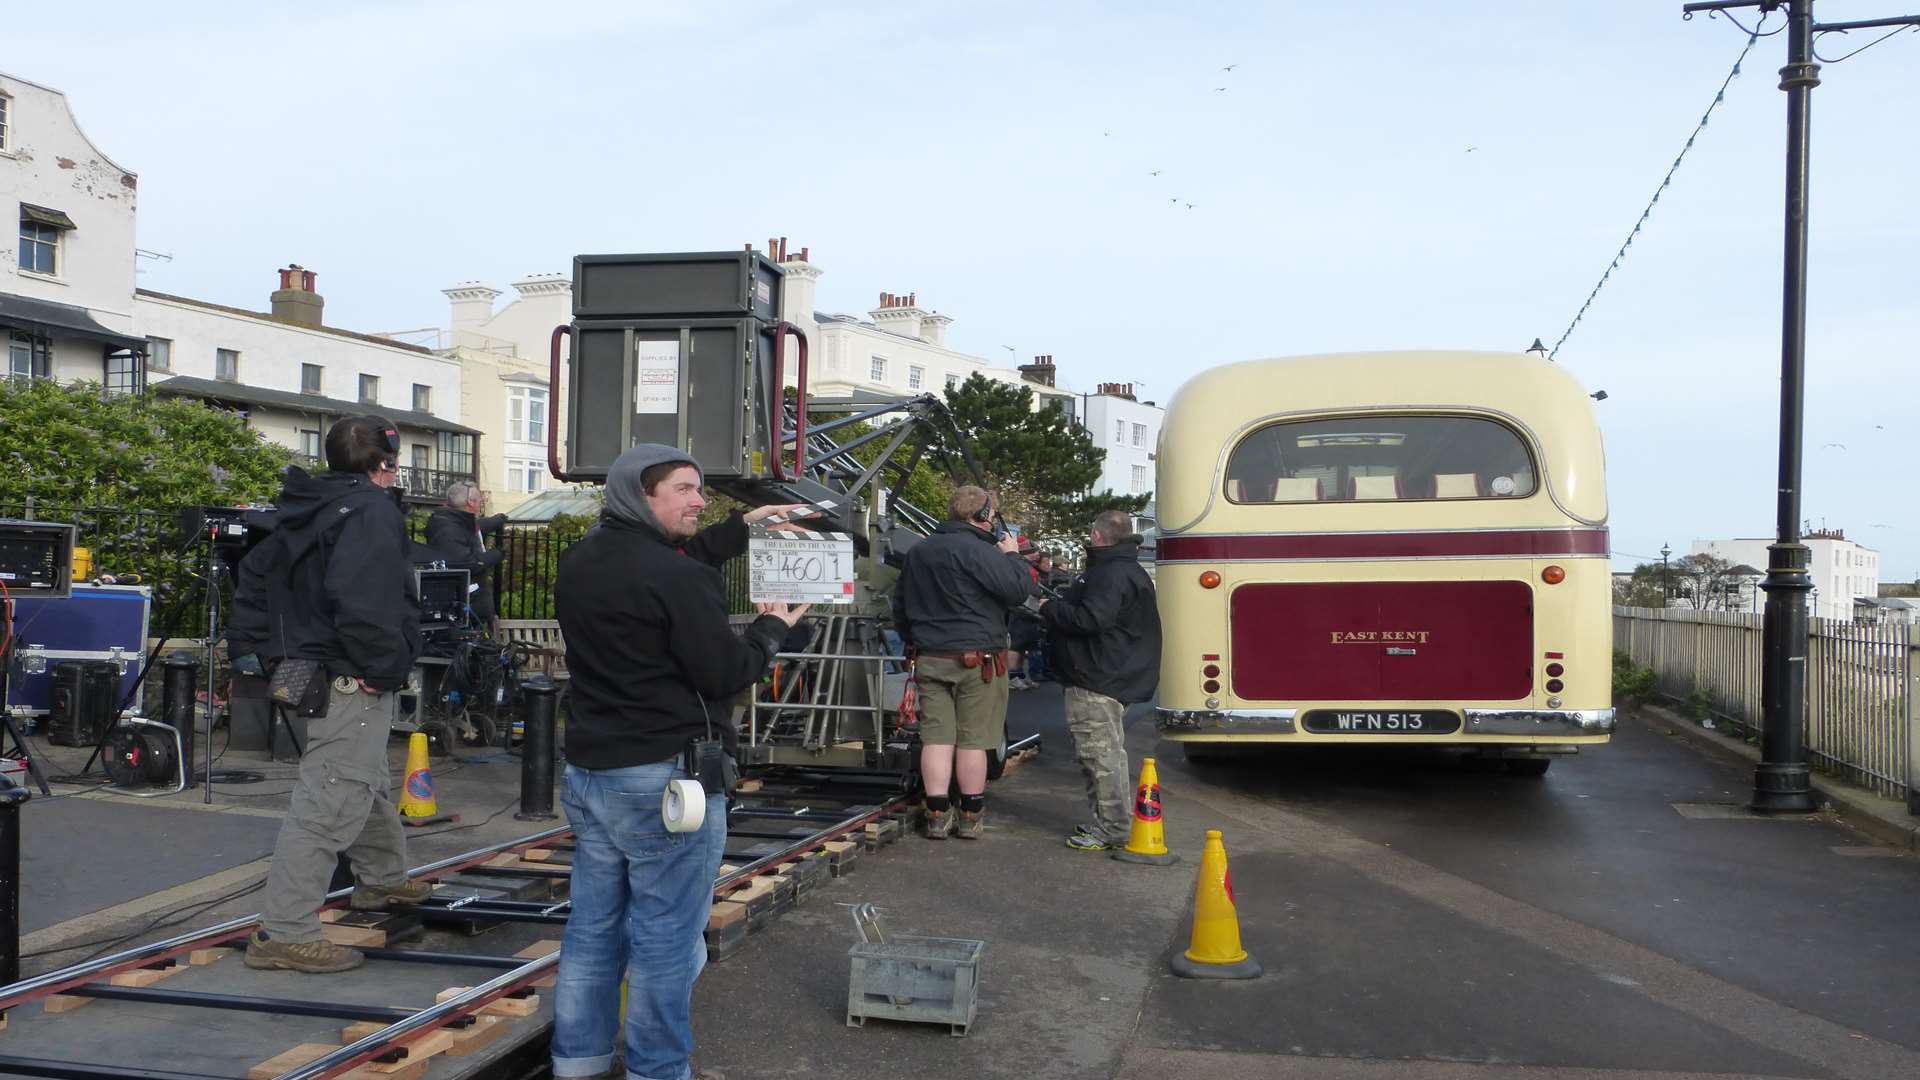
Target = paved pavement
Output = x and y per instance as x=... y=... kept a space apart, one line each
x=1620 y=917
x=1418 y=917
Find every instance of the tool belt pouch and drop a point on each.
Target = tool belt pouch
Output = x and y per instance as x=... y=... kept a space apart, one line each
x=707 y=761
x=301 y=685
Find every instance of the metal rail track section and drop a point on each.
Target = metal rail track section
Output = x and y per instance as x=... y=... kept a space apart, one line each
x=829 y=804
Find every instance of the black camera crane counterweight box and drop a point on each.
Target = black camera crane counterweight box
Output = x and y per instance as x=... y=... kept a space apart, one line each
x=682 y=349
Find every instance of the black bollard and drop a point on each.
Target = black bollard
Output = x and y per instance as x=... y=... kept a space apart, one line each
x=542 y=696
x=11 y=799
x=178 y=672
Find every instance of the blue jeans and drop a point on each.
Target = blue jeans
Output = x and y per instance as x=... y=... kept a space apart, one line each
x=640 y=900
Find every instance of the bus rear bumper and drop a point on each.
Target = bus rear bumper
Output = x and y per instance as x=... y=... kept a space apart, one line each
x=1227 y=721
x=1572 y=722
x=1535 y=723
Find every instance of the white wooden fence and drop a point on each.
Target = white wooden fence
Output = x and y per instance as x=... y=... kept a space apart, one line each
x=1863 y=684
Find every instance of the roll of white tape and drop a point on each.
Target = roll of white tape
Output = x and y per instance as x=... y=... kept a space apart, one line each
x=684 y=806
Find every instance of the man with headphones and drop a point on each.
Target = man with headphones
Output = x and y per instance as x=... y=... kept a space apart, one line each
x=326 y=604
x=950 y=606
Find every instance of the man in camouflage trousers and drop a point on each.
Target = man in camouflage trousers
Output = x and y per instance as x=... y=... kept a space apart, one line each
x=1106 y=648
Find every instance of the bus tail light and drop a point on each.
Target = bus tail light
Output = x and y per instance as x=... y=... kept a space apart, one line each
x=1553 y=575
x=1210 y=579
x=1554 y=671
x=1554 y=686
x=1211 y=686
x=1211 y=671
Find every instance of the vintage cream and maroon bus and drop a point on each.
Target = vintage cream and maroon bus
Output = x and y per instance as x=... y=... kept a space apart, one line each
x=1385 y=547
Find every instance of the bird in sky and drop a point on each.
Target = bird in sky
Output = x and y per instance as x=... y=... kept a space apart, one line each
x=1155 y=172
x=1188 y=205
x=1229 y=67
x=1175 y=199
x=1471 y=149
x=1219 y=89
x=1842 y=446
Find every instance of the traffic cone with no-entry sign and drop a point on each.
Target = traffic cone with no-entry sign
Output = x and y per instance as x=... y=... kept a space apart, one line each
x=1214 y=951
x=1147 y=842
x=416 y=795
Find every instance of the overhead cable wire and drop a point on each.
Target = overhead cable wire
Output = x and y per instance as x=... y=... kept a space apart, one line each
x=1718 y=97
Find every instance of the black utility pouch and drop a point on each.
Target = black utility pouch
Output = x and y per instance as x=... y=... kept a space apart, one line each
x=300 y=685
x=707 y=761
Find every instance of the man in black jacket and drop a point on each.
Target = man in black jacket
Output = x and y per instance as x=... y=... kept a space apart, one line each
x=328 y=588
x=654 y=666
x=458 y=533
x=951 y=607
x=1106 y=648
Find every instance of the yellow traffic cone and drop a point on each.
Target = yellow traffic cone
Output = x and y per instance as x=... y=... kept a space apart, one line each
x=1147 y=842
x=416 y=795
x=1214 y=951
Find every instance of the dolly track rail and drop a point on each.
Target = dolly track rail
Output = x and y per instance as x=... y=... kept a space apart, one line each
x=418 y=1025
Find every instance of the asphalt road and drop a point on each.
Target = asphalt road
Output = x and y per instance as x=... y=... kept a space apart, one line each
x=1418 y=916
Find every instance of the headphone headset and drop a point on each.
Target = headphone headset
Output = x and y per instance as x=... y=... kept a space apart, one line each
x=985 y=513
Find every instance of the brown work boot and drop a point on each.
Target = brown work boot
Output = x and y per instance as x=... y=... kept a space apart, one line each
x=368 y=897
x=940 y=823
x=973 y=825
x=313 y=957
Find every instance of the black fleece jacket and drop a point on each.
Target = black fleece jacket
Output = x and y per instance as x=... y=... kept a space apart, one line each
x=330 y=581
x=956 y=591
x=1106 y=629
x=650 y=651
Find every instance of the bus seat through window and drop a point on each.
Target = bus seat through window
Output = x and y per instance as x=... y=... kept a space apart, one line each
x=1455 y=486
x=1375 y=487
x=1296 y=489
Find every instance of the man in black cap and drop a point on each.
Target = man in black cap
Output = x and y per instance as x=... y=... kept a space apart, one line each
x=326 y=602
x=654 y=665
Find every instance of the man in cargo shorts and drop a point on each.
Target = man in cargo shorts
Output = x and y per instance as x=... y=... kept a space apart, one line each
x=950 y=607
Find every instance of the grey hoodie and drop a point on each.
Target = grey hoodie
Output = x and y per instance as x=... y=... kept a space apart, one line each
x=626 y=497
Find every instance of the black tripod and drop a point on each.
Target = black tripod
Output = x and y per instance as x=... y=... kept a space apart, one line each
x=20 y=750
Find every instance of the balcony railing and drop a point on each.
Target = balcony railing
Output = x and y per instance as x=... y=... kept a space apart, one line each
x=419 y=484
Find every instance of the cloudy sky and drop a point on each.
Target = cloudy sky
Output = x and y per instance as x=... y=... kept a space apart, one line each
x=1368 y=175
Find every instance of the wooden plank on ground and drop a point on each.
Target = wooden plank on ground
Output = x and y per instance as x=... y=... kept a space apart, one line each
x=537 y=950
x=203 y=957
x=143 y=976
x=354 y=936
x=60 y=1003
x=406 y=1069
x=472 y=1040
x=505 y=1006
x=725 y=913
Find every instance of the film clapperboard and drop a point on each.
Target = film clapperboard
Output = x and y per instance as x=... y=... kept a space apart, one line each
x=800 y=566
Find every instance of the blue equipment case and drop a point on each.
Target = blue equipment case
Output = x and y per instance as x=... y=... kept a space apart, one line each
x=98 y=622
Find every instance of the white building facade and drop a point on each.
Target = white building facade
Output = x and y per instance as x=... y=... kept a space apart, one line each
x=69 y=311
x=1843 y=572
x=900 y=348
x=292 y=377
x=1129 y=431
x=66 y=276
x=505 y=357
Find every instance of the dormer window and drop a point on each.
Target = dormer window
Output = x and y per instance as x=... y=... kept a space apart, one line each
x=40 y=232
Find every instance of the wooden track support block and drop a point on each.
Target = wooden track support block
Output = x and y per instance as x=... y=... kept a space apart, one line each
x=505 y=1006
x=537 y=950
x=354 y=936
x=203 y=957
x=140 y=977
x=60 y=1003
x=842 y=855
x=471 y=1040
x=407 y=1068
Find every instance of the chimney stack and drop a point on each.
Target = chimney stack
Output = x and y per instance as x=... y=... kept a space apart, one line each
x=295 y=301
x=1040 y=371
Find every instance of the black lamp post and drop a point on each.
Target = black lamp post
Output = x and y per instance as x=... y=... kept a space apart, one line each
x=1666 y=581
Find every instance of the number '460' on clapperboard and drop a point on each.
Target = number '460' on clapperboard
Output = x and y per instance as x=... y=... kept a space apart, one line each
x=799 y=567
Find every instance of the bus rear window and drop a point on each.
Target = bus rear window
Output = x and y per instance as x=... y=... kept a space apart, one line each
x=1380 y=458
